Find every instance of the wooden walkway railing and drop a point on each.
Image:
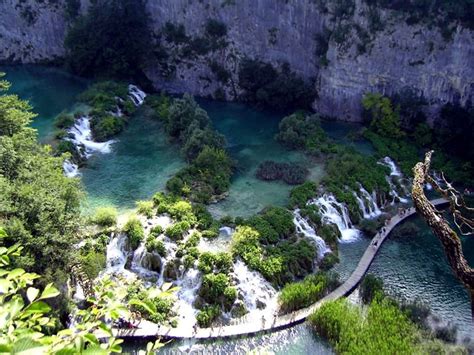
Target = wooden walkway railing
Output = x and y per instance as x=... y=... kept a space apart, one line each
x=148 y=329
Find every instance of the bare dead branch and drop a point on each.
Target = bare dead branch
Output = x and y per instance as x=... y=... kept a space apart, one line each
x=440 y=226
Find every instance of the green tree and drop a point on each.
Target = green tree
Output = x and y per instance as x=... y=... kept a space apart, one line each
x=385 y=120
x=39 y=206
x=112 y=40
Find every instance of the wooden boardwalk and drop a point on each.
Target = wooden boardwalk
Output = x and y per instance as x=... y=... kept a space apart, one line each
x=148 y=329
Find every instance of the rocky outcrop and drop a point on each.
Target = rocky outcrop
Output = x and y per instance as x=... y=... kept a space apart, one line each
x=388 y=59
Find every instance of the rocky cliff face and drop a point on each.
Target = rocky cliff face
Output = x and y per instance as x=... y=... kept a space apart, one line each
x=347 y=55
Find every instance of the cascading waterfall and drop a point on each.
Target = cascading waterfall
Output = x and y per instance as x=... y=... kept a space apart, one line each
x=116 y=254
x=335 y=212
x=303 y=227
x=394 y=179
x=70 y=169
x=137 y=95
x=368 y=203
x=258 y=294
x=189 y=285
x=394 y=171
x=80 y=134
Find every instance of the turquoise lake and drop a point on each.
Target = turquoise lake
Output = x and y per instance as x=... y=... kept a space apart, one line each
x=142 y=160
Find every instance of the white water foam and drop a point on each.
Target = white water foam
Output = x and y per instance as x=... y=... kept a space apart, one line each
x=70 y=169
x=137 y=95
x=81 y=135
x=255 y=291
x=303 y=227
x=335 y=212
x=367 y=203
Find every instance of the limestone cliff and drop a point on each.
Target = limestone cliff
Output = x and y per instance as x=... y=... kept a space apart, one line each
x=347 y=55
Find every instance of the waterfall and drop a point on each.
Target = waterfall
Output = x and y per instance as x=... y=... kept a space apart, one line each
x=394 y=178
x=81 y=135
x=116 y=254
x=335 y=212
x=394 y=170
x=137 y=95
x=70 y=169
x=188 y=287
x=257 y=293
x=368 y=203
x=303 y=227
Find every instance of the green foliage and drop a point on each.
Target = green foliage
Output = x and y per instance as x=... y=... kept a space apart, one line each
x=145 y=208
x=112 y=40
x=93 y=262
x=154 y=304
x=215 y=263
x=302 y=294
x=442 y=13
x=28 y=325
x=329 y=260
x=349 y=169
x=210 y=167
x=104 y=98
x=105 y=216
x=290 y=173
x=384 y=119
x=40 y=207
x=72 y=8
x=177 y=230
x=383 y=330
x=278 y=259
x=279 y=89
x=299 y=131
x=207 y=315
x=301 y=194
x=134 y=230
x=64 y=121
x=154 y=245
x=370 y=287
x=215 y=28
x=404 y=152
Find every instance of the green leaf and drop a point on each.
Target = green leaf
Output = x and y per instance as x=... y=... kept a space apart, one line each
x=37 y=307
x=16 y=305
x=49 y=292
x=26 y=346
x=15 y=274
x=32 y=293
x=5 y=286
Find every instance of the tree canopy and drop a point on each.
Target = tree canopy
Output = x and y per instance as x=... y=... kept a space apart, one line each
x=111 y=40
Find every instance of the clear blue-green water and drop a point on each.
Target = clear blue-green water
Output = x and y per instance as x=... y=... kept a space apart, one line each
x=142 y=160
x=49 y=91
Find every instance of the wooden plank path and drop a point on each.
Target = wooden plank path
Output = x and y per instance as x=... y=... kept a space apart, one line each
x=147 y=329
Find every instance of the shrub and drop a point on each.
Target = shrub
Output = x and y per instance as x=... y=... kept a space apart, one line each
x=213 y=286
x=105 y=217
x=156 y=231
x=93 y=262
x=215 y=263
x=64 y=121
x=281 y=89
x=299 y=131
x=134 y=229
x=302 y=294
x=384 y=329
x=207 y=315
x=291 y=173
x=177 y=230
x=153 y=244
x=370 y=287
x=329 y=260
x=145 y=208
x=111 y=40
x=300 y=195
x=215 y=28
